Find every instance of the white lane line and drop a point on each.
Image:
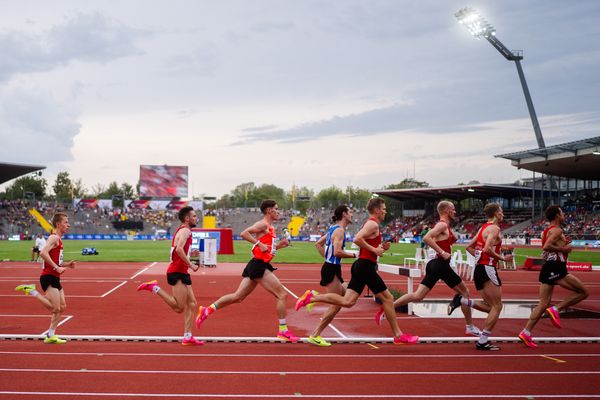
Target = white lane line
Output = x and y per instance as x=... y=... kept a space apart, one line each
x=255 y=355
x=330 y=325
x=67 y=317
x=26 y=315
x=311 y=396
x=113 y=289
x=311 y=373
x=143 y=270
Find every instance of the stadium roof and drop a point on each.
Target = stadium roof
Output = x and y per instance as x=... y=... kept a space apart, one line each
x=482 y=191
x=579 y=159
x=12 y=171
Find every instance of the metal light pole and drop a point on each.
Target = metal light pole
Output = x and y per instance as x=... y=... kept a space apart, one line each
x=479 y=27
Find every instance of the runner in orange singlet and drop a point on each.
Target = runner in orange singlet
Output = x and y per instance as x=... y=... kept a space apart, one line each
x=259 y=270
x=364 y=273
x=183 y=299
x=53 y=266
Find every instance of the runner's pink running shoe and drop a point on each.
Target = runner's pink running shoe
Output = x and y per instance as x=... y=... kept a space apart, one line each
x=192 y=342
x=405 y=338
x=554 y=317
x=202 y=315
x=380 y=316
x=148 y=285
x=287 y=336
x=304 y=300
x=527 y=340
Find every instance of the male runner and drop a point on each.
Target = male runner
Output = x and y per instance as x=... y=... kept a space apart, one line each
x=259 y=270
x=364 y=273
x=440 y=238
x=53 y=266
x=486 y=248
x=183 y=299
x=331 y=247
x=555 y=250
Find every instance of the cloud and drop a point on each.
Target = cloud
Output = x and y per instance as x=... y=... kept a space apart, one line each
x=36 y=127
x=85 y=37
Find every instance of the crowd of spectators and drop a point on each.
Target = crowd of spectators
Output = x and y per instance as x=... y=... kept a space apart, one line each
x=581 y=222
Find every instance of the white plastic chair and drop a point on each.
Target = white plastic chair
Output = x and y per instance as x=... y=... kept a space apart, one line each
x=418 y=258
x=470 y=266
x=454 y=261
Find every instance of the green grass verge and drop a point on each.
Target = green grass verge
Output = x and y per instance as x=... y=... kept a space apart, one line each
x=299 y=252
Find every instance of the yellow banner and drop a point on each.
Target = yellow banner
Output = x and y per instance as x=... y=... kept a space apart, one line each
x=40 y=219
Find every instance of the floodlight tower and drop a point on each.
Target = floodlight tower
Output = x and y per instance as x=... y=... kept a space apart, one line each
x=479 y=27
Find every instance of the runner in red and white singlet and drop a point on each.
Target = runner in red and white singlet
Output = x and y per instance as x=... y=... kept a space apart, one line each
x=486 y=248
x=441 y=238
x=259 y=271
x=364 y=273
x=555 y=250
x=182 y=300
x=52 y=267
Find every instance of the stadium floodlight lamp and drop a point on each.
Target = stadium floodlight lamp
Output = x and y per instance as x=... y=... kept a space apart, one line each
x=475 y=23
x=479 y=27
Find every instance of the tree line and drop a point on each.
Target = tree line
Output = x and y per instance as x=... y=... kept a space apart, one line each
x=65 y=189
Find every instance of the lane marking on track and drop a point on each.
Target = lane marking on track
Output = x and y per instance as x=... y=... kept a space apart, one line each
x=113 y=289
x=68 y=317
x=144 y=270
x=329 y=326
x=255 y=355
x=254 y=372
x=554 y=359
x=311 y=396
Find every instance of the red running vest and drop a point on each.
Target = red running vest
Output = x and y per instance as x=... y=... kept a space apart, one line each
x=375 y=242
x=56 y=254
x=552 y=255
x=485 y=258
x=447 y=243
x=177 y=264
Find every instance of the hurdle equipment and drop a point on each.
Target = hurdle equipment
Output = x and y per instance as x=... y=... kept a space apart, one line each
x=411 y=273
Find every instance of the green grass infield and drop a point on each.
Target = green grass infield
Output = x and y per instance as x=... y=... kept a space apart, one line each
x=298 y=253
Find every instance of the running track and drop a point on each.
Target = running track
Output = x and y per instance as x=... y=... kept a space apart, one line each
x=102 y=301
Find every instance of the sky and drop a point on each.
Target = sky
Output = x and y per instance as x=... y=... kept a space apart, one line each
x=306 y=93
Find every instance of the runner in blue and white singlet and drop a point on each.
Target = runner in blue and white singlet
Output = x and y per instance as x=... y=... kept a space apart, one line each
x=331 y=247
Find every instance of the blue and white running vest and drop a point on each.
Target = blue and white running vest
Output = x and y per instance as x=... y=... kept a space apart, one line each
x=329 y=257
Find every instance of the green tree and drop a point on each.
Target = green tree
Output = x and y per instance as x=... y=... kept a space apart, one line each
x=63 y=187
x=128 y=191
x=357 y=197
x=330 y=197
x=407 y=184
x=23 y=186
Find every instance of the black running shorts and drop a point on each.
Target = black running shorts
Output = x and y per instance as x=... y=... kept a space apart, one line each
x=329 y=271
x=174 y=277
x=50 y=281
x=256 y=269
x=553 y=271
x=437 y=269
x=484 y=273
x=364 y=273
